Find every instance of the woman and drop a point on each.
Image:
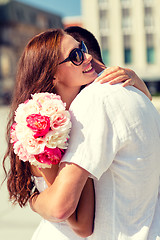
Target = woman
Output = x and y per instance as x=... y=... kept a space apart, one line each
x=52 y=62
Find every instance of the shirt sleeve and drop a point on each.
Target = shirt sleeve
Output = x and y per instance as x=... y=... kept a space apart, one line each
x=93 y=139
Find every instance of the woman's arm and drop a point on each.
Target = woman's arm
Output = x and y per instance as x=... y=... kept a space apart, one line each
x=117 y=74
x=82 y=220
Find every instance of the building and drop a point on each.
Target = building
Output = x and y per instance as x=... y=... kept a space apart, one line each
x=18 y=24
x=129 y=34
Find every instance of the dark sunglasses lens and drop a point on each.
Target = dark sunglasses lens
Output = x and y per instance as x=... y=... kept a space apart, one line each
x=76 y=56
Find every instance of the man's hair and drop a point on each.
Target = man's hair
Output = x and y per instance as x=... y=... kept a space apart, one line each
x=82 y=34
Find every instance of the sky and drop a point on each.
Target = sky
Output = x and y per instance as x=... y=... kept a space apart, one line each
x=64 y=8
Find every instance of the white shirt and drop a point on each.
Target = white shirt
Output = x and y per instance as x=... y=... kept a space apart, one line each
x=116 y=137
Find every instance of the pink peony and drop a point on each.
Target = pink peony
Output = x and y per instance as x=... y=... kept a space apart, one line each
x=50 y=156
x=39 y=124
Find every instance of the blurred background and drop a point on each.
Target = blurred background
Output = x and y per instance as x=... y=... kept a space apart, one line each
x=129 y=35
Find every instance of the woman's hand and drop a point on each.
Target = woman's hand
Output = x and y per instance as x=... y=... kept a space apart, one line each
x=117 y=74
x=127 y=76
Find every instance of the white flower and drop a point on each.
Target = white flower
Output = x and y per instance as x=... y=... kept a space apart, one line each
x=26 y=109
x=57 y=139
x=26 y=138
x=34 y=145
x=50 y=107
x=60 y=121
x=23 y=132
x=45 y=96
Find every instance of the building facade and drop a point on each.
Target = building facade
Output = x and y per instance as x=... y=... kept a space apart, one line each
x=129 y=34
x=72 y=21
x=18 y=24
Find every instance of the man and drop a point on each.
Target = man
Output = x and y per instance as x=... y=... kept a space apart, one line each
x=115 y=139
x=112 y=74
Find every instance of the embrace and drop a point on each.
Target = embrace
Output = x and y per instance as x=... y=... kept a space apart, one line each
x=104 y=182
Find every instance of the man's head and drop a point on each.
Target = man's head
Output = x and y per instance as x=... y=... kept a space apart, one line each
x=81 y=34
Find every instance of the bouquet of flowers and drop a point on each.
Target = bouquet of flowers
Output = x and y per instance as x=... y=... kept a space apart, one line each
x=41 y=129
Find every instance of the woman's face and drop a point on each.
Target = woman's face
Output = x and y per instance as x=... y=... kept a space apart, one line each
x=69 y=75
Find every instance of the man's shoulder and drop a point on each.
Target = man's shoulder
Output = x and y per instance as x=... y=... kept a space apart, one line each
x=94 y=96
x=94 y=89
x=89 y=93
x=109 y=95
x=99 y=91
x=87 y=97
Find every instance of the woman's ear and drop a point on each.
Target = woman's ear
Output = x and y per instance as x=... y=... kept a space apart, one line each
x=54 y=81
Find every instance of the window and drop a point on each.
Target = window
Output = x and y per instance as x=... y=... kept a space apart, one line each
x=127 y=56
x=127 y=41
x=150 y=48
x=127 y=49
x=126 y=18
x=33 y=17
x=105 y=49
x=103 y=1
x=125 y=3
x=150 y=55
x=104 y=42
x=105 y=54
x=148 y=17
x=148 y=2
x=103 y=22
x=150 y=40
x=20 y=15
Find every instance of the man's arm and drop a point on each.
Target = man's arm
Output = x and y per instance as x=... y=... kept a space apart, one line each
x=82 y=220
x=60 y=200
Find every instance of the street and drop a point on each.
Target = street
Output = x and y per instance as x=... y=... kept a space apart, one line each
x=15 y=223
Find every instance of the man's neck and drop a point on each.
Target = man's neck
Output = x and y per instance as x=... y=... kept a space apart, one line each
x=98 y=66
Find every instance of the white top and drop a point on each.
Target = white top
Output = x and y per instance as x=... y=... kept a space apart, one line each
x=51 y=230
x=115 y=136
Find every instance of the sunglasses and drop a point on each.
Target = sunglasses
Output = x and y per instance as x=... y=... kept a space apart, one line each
x=76 y=56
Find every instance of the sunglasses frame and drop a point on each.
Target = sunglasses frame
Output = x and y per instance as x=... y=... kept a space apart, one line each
x=83 y=49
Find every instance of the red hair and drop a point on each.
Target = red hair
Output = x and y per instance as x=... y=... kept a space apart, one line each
x=35 y=73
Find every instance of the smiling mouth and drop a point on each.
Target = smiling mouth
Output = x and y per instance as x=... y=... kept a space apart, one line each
x=88 y=69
